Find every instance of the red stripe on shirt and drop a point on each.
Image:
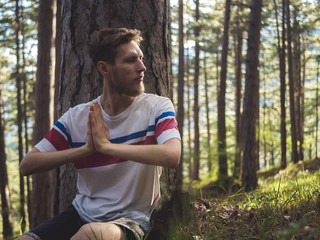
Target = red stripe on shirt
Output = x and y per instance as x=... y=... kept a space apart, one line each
x=96 y=160
x=166 y=124
x=57 y=140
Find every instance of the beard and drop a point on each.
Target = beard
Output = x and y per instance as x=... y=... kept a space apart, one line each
x=125 y=90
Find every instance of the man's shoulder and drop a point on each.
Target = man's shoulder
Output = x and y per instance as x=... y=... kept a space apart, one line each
x=83 y=106
x=80 y=110
x=151 y=97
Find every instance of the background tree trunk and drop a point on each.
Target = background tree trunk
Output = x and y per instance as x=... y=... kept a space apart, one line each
x=238 y=94
x=79 y=79
x=251 y=99
x=282 y=67
x=26 y=100
x=196 y=159
x=303 y=80
x=294 y=154
x=222 y=146
x=56 y=92
x=19 y=110
x=4 y=188
x=297 y=82
x=44 y=183
x=180 y=112
x=189 y=115
x=317 y=108
x=206 y=87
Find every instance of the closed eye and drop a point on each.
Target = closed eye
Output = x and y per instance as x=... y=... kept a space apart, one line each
x=131 y=59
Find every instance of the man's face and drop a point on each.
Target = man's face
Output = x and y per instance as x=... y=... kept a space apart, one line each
x=128 y=70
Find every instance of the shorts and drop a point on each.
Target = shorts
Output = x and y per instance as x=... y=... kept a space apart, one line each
x=66 y=224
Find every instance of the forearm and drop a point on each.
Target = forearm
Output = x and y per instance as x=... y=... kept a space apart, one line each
x=166 y=155
x=36 y=161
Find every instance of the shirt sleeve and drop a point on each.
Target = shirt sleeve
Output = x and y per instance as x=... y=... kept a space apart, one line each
x=58 y=138
x=165 y=122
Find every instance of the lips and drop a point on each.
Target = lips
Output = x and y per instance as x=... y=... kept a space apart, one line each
x=140 y=78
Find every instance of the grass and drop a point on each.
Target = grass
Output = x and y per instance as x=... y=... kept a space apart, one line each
x=286 y=205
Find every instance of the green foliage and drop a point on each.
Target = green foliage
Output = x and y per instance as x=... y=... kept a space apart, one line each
x=286 y=206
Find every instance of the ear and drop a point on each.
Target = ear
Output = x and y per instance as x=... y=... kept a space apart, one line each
x=102 y=67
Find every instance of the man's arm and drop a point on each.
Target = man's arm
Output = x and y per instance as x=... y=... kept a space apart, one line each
x=36 y=161
x=166 y=154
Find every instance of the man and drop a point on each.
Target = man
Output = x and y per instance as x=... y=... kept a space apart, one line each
x=118 y=143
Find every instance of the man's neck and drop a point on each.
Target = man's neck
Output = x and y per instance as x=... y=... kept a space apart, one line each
x=114 y=104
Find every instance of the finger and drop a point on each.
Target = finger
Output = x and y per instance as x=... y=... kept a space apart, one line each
x=97 y=109
x=107 y=130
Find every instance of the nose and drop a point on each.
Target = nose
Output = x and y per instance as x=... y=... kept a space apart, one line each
x=141 y=66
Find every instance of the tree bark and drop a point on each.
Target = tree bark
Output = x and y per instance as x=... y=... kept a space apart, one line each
x=79 y=79
x=44 y=183
x=56 y=92
x=317 y=107
x=19 y=112
x=209 y=160
x=282 y=67
x=303 y=79
x=25 y=110
x=222 y=146
x=251 y=99
x=238 y=97
x=296 y=62
x=196 y=161
x=4 y=185
x=189 y=115
x=180 y=112
x=294 y=154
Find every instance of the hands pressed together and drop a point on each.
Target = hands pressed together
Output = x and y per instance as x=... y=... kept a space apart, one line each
x=97 y=130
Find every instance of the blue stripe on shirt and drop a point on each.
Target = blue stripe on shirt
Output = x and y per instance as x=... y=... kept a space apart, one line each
x=64 y=130
x=124 y=138
x=163 y=115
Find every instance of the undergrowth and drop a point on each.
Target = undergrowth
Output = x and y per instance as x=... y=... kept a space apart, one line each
x=284 y=206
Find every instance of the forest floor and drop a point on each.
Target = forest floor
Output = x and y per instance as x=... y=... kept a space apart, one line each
x=286 y=205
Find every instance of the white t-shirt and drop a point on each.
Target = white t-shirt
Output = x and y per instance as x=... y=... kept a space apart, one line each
x=109 y=187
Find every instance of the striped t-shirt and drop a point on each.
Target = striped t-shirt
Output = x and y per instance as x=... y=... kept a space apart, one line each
x=110 y=187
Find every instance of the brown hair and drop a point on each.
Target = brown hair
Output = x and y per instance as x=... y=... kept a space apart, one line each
x=104 y=43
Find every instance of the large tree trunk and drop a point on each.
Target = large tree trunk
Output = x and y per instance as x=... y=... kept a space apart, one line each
x=79 y=79
x=251 y=99
x=222 y=146
x=196 y=161
x=4 y=186
x=44 y=183
x=180 y=112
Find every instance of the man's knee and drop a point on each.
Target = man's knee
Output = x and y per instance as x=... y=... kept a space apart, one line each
x=99 y=230
x=24 y=237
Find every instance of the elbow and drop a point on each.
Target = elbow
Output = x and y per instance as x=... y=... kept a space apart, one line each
x=174 y=163
x=173 y=159
x=25 y=166
x=24 y=169
x=173 y=153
